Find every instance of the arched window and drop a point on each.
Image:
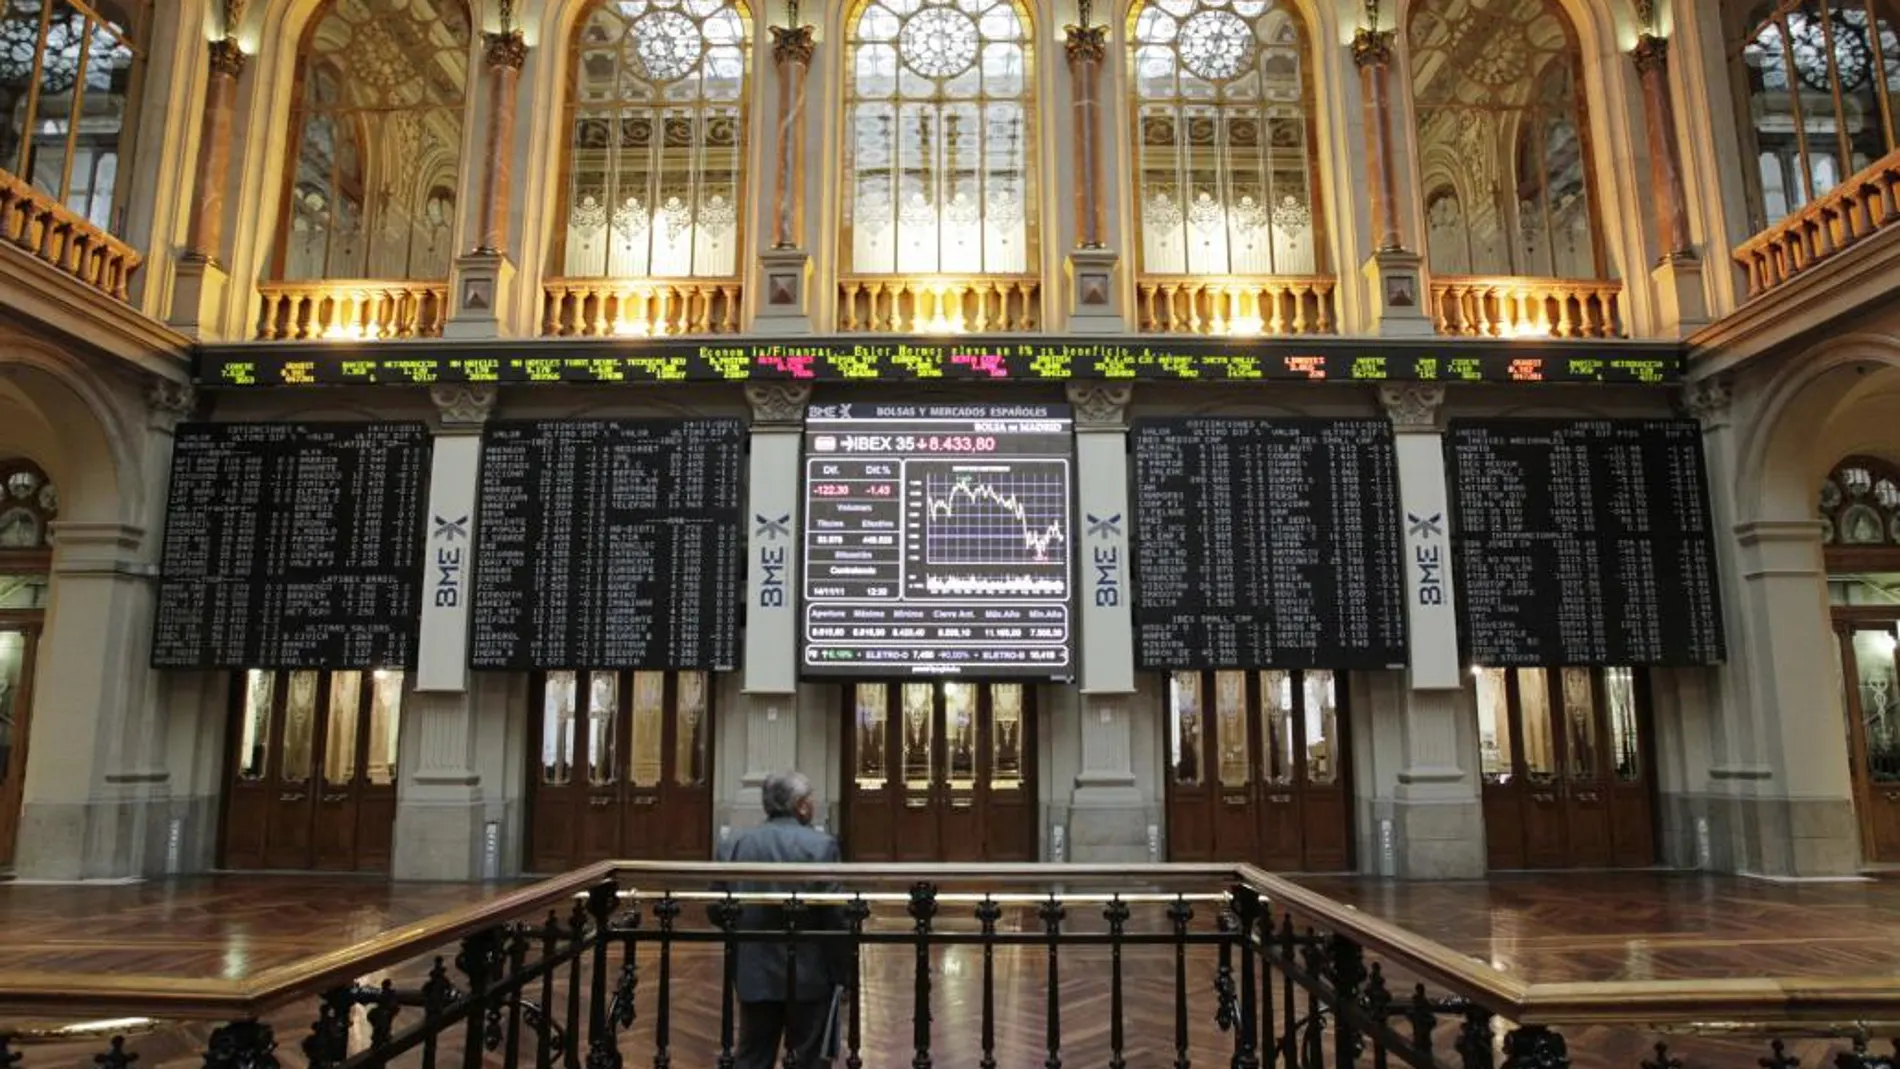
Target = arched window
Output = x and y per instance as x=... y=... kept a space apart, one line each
x=1859 y=505
x=656 y=152
x=1834 y=115
x=1497 y=90
x=65 y=131
x=378 y=141
x=939 y=138
x=1224 y=145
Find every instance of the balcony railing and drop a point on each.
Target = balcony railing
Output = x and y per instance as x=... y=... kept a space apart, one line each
x=40 y=224
x=1181 y=304
x=353 y=309
x=1508 y=306
x=994 y=304
x=1865 y=204
x=653 y=307
x=1145 y=965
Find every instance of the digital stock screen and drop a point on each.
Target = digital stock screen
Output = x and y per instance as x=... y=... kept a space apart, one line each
x=937 y=540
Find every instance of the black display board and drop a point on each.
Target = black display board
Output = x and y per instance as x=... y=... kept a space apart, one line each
x=609 y=545
x=292 y=545
x=1583 y=542
x=1267 y=544
x=938 y=541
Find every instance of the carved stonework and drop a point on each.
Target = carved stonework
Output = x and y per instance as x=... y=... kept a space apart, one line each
x=780 y=403
x=463 y=404
x=793 y=44
x=1707 y=400
x=1372 y=48
x=1646 y=16
x=1086 y=43
x=226 y=57
x=234 y=16
x=506 y=49
x=1101 y=404
x=171 y=401
x=1412 y=406
x=1651 y=53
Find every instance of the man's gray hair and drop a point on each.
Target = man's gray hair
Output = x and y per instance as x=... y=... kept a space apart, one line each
x=783 y=791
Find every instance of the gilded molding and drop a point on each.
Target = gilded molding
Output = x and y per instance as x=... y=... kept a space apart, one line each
x=227 y=58
x=780 y=403
x=793 y=44
x=1372 y=48
x=506 y=49
x=1651 y=53
x=1086 y=43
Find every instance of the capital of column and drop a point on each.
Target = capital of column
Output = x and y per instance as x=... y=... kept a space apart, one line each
x=1101 y=405
x=780 y=404
x=506 y=49
x=793 y=44
x=463 y=405
x=1085 y=44
x=1650 y=54
x=1372 y=48
x=1412 y=406
x=170 y=402
x=227 y=58
x=1707 y=401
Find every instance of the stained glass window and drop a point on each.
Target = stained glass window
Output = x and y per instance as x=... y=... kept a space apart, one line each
x=65 y=130
x=1859 y=504
x=1497 y=90
x=378 y=141
x=939 y=138
x=1223 y=138
x=1808 y=132
x=656 y=140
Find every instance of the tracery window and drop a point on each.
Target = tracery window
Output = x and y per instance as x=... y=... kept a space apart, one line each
x=656 y=154
x=1859 y=505
x=940 y=138
x=378 y=137
x=1223 y=144
x=67 y=78
x=1821 y=78
x=1498 y=97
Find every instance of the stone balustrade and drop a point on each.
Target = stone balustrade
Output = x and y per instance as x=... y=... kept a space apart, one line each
x=1510 y=306
x=351 y=310
x=648 y=307
x=38 y=223
x=1268 y=304
x=937 y=305
x=1865 y=204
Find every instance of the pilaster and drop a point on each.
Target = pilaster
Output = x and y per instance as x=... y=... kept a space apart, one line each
x=1093 y=300
x=200 y=280
x=1393 y=275
x=785 y=268
x=775 y=526
x=1677 y=276
x=480 y=280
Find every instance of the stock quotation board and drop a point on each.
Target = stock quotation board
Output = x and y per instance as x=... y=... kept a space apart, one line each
x=1583 y=542
x=292 y=545
x=609 y=544
x=1267 y=544
x=937 y=540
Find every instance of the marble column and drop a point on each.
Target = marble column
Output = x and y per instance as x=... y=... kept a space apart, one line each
x=785 y=267
x=1399 y=298
x=1108 y=813
x=440 y=807
x=482 y=277
x=1093 y=307
x=1678 y=272
x=200 y=281
x=1437 y=829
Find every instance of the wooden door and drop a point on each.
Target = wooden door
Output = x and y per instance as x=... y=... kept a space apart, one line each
x=1563 y=759
x=19 y=645
x=1258 y=770
x=1871 y=675
x=620 y=769
x=940 y=772
x=311 y=770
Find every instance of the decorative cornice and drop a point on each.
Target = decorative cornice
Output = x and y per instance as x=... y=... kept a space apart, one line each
x=226 y=57
x=1651 y=53
x=463 y=404
x=1372 y=48
x=1101 y=404
x=505 y=49
x=1086 y=43
x=777 y=403
x=793 y=44
x=1412 y=406
x=1707 y=400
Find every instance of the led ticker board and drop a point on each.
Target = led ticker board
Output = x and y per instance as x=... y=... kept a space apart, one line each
x=937 y=540
x=982 y=359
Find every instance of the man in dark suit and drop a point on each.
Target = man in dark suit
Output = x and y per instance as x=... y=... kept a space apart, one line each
x=771 y=1010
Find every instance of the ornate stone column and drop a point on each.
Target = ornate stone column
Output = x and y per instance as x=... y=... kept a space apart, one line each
x=1091 y=267
x=1678 y=272
x=199 y=281
x=482 y=277
x=785 y=267
x=1400 y=299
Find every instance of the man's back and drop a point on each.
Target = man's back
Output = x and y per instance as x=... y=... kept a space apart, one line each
x=762 y=966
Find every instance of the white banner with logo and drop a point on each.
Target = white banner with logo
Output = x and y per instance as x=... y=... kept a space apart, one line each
x=448 y=564
x=1431 y=613
x=1108 y=639
x=771 y=619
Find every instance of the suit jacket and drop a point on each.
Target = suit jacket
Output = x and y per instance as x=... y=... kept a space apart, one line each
x=761 y=971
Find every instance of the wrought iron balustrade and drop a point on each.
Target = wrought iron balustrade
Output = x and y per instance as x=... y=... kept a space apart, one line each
x=1130 y=966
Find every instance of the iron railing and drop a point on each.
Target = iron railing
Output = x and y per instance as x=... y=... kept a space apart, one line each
x=1157 y=965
